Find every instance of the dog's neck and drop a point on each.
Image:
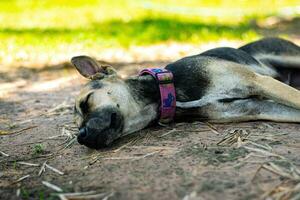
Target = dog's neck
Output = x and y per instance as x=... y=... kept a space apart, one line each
x=144 y=89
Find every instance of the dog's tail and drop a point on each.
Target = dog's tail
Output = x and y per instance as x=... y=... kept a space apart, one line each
x=280 y=54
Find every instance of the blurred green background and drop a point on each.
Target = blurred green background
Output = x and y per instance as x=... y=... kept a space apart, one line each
x=50 y=27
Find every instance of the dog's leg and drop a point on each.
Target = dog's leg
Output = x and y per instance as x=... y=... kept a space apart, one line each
x=236 y=81
x=287 y=67
x=280 y=54
x=252 y=109
x=270 y=88
x=276 y=52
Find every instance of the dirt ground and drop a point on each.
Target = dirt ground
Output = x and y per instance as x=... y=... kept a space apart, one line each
x=41 y=159
x=196 y=160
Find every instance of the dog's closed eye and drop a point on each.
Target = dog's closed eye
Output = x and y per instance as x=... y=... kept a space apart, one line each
x=84 y=104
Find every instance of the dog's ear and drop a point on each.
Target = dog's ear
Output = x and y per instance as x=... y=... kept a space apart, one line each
x=91 y=68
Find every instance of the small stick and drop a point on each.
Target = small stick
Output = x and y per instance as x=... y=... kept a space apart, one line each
x=123 y=158
x=270 y=169
x=149 y=154
x=239 y=142
x=152 y=147
x=21 y=179
x=54 y=169
x=19 y=131
x=4 y=154
x=85 y=195
x=66 y=196
x=62 y=197
x=256 y=172
x=212 y=128
x=63 y=105
x=109 y=195
x=78 y=193
x=70 y=143
x=28 y=164
x=169 y=132
x=268 y=125
x=53 y=137
x=262 y=151
x=53 y=187
x=195 y=130
x=131 y=157
x=42 y=169
x=18 y=192
x=266 y=194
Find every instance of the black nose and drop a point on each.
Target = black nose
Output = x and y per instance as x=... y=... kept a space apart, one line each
x=82 y=135
x=82 y=132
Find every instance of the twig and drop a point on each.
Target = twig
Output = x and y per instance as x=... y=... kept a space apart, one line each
x=54 y=169
x=194 y=130
x=180 y=124
x=163 y=125
x=239 y=142
x=38 y=141
x=152 y=147
x=131 y=157
x=21 y=179
x=109 y=195
x=265 y=147
x=212 y=128
x=18 y=192
x=85 y=195
x=65 y=132
x=71 y=142
x=78 y=193
x=264 y=152
x=274 y=168
x=53 y=187
x=122 y=158
x=42 y=169
x=191 y=195
x=28 y=164
x=4 y=154
x=149 y=154
x=256 y=172
x=53 y=137
x=56 y=109
x=235 y=136
x=169 y=132
x=268 y=125
x=266 y=194
x=19 y=131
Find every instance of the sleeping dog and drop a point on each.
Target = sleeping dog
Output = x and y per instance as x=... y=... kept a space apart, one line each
x=257 y=81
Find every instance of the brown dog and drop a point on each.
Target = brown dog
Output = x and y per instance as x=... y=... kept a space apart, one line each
x=254 y=82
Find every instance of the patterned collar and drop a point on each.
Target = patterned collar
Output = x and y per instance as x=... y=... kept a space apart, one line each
x=164 y=79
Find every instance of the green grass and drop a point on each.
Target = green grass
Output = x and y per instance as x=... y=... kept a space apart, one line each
x=38 y=149
x=34 y=26
x=142 y=31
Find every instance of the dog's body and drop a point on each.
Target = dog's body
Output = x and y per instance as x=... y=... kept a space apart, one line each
x=223 y=84
x=219 y=85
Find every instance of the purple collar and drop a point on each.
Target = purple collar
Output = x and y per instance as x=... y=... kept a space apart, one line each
x=164 y=79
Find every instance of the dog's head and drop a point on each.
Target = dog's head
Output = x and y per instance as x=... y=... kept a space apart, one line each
x=106 y=109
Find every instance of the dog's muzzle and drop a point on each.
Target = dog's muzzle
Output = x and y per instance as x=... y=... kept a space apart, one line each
x=101 y=128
